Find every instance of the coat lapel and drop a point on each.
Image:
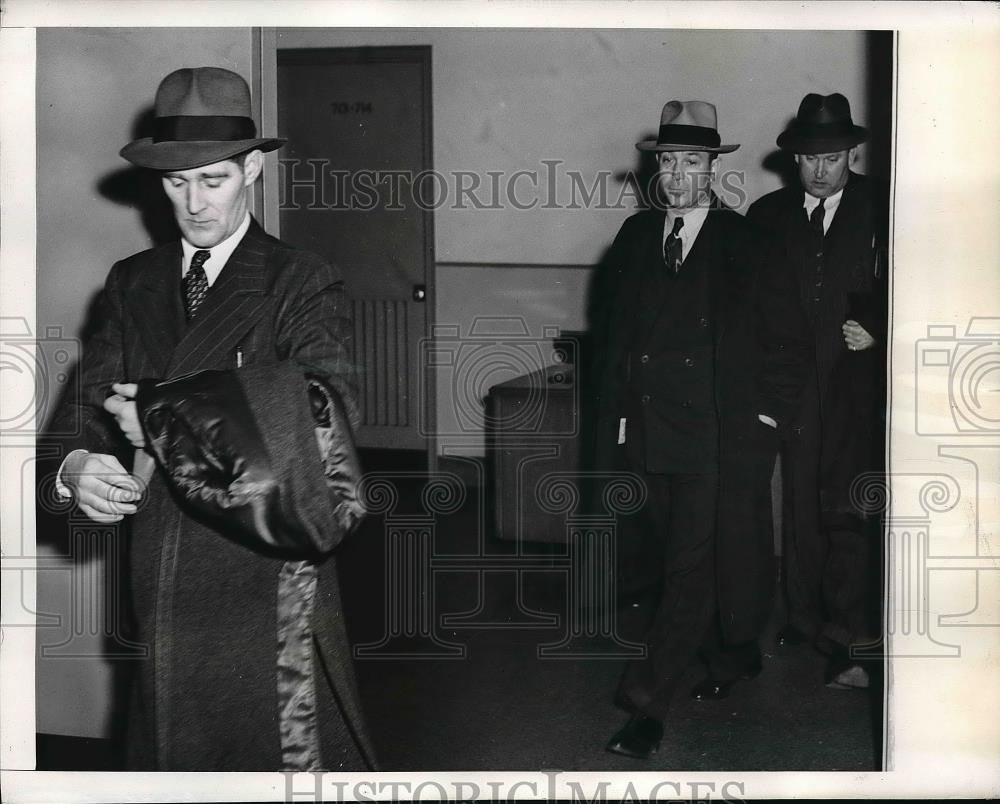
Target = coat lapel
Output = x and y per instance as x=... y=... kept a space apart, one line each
x=233 y=304
x=649 y=259
x=156 y=306
x=800 y=243
x=719 y=286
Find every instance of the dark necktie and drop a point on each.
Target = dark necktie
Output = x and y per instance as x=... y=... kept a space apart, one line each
x=195 y=283
x=673 y=249
x=816 y=218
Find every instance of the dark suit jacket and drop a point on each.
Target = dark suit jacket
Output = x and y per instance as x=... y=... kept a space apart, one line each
x=205 y=604
x=759 y=344
x=850 y=385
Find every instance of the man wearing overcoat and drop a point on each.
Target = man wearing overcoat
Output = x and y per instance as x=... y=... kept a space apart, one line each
x=833 y=226
x=249 y=667
x=697 y=366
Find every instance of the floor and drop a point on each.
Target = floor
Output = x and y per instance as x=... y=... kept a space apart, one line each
x=497 y=705
x=502 y=707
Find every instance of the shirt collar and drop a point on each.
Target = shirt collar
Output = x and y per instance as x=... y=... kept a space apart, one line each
x=220 y=252
x=693 y=221
x=810 y=202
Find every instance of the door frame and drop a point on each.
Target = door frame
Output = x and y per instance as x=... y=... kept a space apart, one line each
x=267 y=191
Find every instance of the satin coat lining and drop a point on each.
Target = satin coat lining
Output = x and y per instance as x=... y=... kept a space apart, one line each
x=296 y=676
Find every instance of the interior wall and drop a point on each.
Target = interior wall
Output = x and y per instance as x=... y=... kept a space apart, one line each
x=577 y=101
x=502 y=101
x=93 y=85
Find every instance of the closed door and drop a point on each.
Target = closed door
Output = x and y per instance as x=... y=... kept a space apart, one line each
x=359 y=140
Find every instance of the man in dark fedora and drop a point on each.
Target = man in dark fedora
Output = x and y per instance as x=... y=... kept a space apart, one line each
x=244 y=672
x=697 y=353
x=833 y=228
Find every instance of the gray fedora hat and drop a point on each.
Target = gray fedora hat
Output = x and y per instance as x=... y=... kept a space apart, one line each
x=202 y=117
x=687 y=126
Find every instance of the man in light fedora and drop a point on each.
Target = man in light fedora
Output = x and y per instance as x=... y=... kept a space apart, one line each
x=697 y=356
x=243 y=672
x=833 y=226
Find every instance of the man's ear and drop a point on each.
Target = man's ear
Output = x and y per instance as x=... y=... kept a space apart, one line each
x=253 y=164
x=852 y=155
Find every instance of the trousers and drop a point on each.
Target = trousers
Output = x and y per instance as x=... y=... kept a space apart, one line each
x=673 y=538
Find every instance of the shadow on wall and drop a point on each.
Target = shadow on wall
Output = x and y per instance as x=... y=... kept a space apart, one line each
x=781 y=163
x=141 y=189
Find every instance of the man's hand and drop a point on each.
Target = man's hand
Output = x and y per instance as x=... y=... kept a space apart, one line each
x=122 y=407
x=100 y=485
x=855 y=336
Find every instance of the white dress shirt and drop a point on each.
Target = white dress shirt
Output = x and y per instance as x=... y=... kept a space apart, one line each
x=220 y=253
x=830 y=205
x=694 y=219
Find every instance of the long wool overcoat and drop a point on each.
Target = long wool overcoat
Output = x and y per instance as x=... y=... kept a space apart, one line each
x=232 y=632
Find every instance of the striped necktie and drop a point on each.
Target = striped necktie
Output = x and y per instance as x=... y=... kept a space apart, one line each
x=195 y=283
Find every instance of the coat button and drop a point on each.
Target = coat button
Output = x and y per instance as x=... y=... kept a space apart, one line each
x=819 y=253
x=645 y=398
x=688 y=361
x=686 y=403
x=703 y=322
x=644 y=359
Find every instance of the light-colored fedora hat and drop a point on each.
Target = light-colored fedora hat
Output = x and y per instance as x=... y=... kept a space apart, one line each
x=202 y=116
x=687 y=126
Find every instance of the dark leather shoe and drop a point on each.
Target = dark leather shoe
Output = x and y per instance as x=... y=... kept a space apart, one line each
x=638 y=738
x=790 y=637
x=712 y=689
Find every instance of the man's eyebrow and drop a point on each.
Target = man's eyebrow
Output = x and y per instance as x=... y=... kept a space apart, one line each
x=203 y=175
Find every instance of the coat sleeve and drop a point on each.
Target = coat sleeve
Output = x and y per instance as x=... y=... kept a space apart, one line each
x=314 y=326
x=264 y=454
x=871 y=310
x=81 y=417
x=602 y=306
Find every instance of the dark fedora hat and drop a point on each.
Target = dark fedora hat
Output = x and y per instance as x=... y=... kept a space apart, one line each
x=822 y=126
x=687 y=126
x=202 y=116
